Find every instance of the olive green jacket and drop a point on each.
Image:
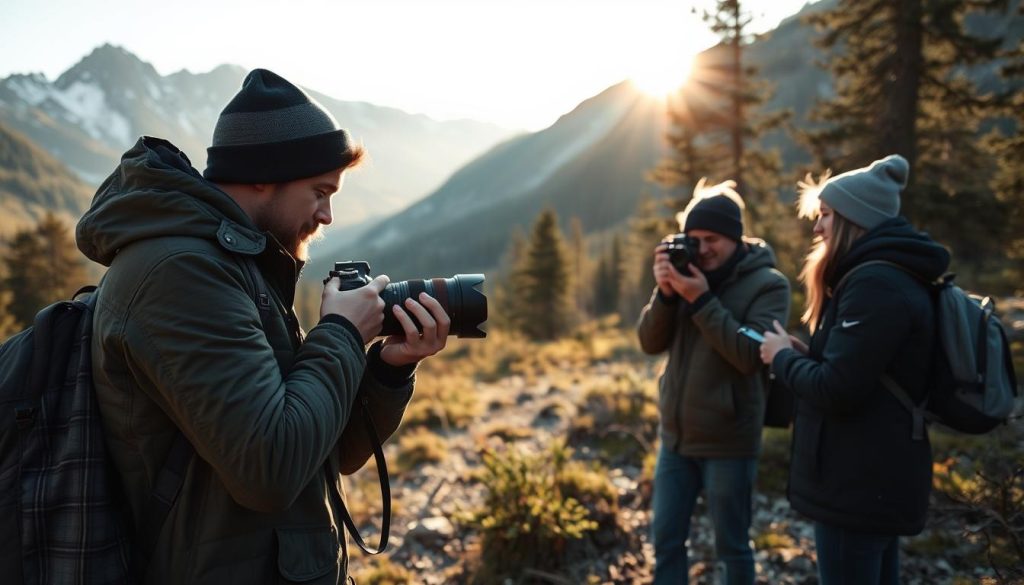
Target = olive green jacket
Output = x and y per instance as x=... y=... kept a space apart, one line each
x=711 y=395
x=179 y=344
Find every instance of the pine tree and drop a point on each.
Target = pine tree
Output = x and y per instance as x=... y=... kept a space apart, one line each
x=507 y=297
x=718 y=124
x=42 y=265
x=757 y=171
x=545 y=275
x=582 y=292
x=608 y=282
x=900 y=89
x=653 y=221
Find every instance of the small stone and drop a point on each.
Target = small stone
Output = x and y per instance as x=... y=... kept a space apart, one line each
x=433 y=532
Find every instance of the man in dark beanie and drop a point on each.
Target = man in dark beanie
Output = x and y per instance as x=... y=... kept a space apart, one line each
x=229 y=425
x=712 y=395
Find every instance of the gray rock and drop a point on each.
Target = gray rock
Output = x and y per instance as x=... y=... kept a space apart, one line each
x=432 y=533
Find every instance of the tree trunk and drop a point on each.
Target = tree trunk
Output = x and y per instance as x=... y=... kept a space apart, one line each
x=737 y=100
x=898 y=131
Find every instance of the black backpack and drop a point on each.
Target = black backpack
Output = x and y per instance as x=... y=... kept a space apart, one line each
x=62 y=516
x=972 y=386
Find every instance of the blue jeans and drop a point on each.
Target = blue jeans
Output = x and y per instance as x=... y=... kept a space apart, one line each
x=728 y=485
x=851 y=557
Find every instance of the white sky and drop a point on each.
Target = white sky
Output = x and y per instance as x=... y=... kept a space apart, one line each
x=517 y=63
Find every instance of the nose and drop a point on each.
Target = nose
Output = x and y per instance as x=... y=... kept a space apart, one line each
x=817 y=227
x=324 y=213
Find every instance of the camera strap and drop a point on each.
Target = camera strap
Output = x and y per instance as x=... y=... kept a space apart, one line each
x=262 y=300
x=385 y=490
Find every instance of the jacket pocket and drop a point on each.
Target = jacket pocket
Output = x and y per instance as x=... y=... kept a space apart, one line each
x=308 y=555
x=718 y=399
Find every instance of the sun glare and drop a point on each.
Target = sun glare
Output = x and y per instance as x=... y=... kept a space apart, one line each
x=661 y=77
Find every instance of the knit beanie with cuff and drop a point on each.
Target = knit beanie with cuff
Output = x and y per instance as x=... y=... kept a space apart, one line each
x=273 y=132
x=717 y=213
x=869 y=195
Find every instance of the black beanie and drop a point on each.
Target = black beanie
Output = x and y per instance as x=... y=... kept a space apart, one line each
x=717 y=213
x=272 y=132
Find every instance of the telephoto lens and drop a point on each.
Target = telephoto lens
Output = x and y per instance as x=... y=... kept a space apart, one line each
x=461 y=296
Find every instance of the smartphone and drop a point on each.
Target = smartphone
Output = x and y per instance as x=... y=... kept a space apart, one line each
x=751 y=334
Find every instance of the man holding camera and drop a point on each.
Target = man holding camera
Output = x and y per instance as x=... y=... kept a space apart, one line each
x=204 y=378
x=711 y=398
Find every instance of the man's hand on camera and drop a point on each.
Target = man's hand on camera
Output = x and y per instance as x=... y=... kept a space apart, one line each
x=662 y=267
x=400 y=350
x=362 y=306
x=691 y=286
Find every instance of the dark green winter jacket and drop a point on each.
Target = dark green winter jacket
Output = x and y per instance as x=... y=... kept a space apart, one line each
x=180 y=344
x=711 y=396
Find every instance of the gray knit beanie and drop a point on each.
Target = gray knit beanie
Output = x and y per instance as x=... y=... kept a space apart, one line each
x=272 y=132
x=870 y=195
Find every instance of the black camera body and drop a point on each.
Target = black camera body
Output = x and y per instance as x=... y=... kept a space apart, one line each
x=682 y=250
x=460 y=296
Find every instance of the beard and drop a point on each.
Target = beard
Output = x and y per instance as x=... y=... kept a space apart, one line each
x=295 y=240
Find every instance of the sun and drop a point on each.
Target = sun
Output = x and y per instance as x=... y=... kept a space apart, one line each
x=660 y=77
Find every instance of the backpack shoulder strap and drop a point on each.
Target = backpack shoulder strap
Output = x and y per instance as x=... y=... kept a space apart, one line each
x=856 y=268
x=917 y=411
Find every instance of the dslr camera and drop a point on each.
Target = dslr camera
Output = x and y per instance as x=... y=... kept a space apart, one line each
x=682 y=250
x=460 y=296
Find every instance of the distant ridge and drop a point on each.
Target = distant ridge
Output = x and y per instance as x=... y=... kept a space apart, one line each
x=98 y=108
x=32 y=183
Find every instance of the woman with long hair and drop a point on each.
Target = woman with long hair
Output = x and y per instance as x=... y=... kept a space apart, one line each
x=858 y=470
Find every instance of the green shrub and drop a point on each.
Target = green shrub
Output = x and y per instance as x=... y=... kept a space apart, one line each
x=528 y=519
x=588 y=484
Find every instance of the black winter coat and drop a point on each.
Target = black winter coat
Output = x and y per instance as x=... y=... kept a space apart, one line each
x=854 y=464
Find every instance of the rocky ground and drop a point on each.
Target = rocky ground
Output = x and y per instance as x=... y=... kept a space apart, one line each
x=436 y=548
x=428 y=540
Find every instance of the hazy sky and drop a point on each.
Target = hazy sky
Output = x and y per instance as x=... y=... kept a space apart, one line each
x=518 y=63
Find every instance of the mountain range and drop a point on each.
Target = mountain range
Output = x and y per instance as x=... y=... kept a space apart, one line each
x=98 y=108
x=439 y=197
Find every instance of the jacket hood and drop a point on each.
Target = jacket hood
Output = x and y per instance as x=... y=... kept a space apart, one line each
x=759 y=255
x=155 y=192
x=896 y=241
